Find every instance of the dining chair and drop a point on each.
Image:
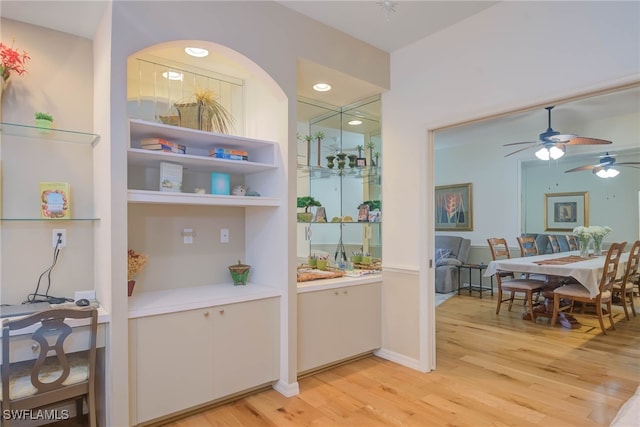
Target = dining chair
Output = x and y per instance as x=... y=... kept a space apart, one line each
x=54 y=374
x=623 y=287
x=507 y=281
x=572 y=242
x=577 y=292
x=528 y=246
x=553 y=243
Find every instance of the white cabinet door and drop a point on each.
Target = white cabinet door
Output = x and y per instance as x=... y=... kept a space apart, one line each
x=336 y=324
x=245 y=341
x=173 y=362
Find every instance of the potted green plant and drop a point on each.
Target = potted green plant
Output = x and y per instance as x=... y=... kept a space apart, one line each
x=319 y=136
x=206 y=113
x=308 y=139
x=44 y=120
x=306 y=202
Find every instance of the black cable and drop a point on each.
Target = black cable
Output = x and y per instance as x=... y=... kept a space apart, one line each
x=33 y=297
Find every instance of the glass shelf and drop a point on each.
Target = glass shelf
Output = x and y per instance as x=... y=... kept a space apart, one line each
x=59 y=135
x=52 y=220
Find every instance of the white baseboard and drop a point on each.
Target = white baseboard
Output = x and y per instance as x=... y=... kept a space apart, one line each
x=400 y=359
x=286 y=389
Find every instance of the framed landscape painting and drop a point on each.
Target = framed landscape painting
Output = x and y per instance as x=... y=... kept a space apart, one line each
x=564 y=211
x=454 y=207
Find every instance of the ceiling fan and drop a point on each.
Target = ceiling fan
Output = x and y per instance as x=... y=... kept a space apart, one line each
x=552 y=144
x=604 y=168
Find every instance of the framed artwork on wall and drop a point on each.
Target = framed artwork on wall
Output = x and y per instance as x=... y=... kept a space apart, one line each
x=564 y=211
x=454 y=210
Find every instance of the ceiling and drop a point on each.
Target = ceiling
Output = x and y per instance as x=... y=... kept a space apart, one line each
x=365 y=20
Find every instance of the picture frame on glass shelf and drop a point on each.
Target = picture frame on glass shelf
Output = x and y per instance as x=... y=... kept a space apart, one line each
x=361 y=162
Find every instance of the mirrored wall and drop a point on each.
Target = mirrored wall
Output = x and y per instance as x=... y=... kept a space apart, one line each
x=340 y=167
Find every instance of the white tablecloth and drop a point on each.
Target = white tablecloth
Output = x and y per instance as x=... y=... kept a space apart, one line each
x=587 y=272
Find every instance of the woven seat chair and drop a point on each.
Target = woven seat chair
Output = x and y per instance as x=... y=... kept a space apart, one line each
x=577 y=292
x=54 y=375
x=508 y=283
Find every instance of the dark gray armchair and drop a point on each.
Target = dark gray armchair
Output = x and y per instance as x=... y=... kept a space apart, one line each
x=451 y=251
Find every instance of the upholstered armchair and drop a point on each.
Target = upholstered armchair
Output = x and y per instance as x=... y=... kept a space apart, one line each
x=451 y=251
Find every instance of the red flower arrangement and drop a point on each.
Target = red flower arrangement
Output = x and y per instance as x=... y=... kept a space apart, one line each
x=12 y=60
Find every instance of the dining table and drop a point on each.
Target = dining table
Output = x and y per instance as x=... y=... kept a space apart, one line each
x=558 y=268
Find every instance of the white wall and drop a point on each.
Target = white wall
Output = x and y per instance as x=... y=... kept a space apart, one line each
x=512 y=55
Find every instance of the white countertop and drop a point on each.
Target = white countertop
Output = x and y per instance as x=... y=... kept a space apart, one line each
x=180 y=299
x=103 y=317
x=340 y=282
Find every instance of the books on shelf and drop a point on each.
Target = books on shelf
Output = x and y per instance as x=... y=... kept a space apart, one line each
x=170 y=177
x=229 y=154
x=220 y=183
x=55 y=200
x=160 y=144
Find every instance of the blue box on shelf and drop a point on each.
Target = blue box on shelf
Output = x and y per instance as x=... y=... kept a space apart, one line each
x=220 y=183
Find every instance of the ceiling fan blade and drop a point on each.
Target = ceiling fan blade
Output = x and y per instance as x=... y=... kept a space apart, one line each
x=519 y=143
x=584 y=168
x=629 y=164
x=587 y=141
x=522 y=149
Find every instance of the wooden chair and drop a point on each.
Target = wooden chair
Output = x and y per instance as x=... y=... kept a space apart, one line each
x=577 y=292
x=55 y=375
x=623 y=288
x=528 y=246
x=507 y=281
x=572 y=242
x=554 y=244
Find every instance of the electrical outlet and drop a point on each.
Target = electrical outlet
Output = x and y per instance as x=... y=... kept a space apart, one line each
x=59 y=238
x=224 y=235
x=187 y=236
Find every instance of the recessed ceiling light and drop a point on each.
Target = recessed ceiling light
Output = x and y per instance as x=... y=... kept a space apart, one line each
x=322 y=87
x=197 y=52
x=355 y=122
x=172 y=75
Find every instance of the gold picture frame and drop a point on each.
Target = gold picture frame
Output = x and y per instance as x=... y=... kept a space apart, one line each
x=454 y=208
x=565 y=211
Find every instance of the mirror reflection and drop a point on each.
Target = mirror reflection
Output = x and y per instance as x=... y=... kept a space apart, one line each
x=339 y=165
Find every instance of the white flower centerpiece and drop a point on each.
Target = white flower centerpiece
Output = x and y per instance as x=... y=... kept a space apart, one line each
x=598 y=232
x=584 y=236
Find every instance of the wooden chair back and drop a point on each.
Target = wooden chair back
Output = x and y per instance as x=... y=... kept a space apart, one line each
x=44 y=379
x=554 y=244
x=610 y=270
x=572 y=242
x=631 y=273
x=528 y=246
x=499 y=248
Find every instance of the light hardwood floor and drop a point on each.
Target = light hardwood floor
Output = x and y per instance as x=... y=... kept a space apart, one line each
x=491 y=371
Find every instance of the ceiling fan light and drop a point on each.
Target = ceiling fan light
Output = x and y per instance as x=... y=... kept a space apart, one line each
x=607 y=173
x=555 y=152
x=543 y=154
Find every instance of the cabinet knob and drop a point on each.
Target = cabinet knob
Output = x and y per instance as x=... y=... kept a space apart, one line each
x=35 y=347
x=344 y=292
x=222 y=311
x=337 y=292
x=206 y=314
